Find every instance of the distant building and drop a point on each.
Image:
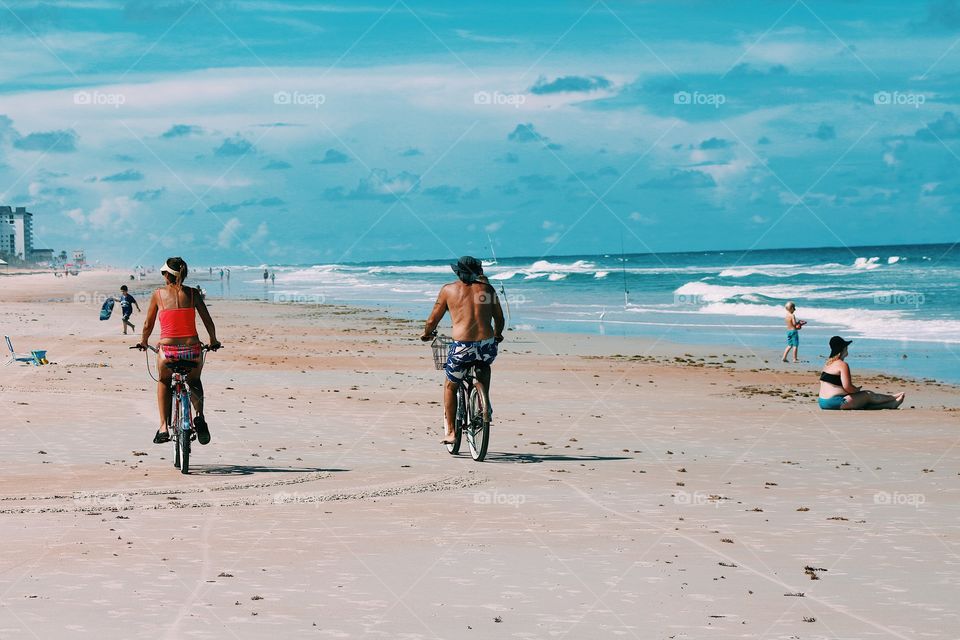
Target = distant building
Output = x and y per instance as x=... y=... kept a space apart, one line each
x=41 y=255
x=79 y=257
x=16 y=232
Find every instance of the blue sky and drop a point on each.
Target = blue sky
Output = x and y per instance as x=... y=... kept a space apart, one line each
x=257 y=132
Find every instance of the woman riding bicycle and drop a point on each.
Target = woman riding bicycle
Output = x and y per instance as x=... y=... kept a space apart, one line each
x=177 y=307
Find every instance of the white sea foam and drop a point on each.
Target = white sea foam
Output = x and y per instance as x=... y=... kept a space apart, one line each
x=867 y=263
x=786 y=270
x=601 y=274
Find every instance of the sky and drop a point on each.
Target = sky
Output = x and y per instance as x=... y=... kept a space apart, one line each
x=292 y=132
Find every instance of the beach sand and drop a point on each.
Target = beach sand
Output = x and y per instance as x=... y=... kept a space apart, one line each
x=633 y=489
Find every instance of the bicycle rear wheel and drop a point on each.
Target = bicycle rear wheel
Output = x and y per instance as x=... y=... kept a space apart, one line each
x=478 y=423
x=183 y=430
x=458 y=419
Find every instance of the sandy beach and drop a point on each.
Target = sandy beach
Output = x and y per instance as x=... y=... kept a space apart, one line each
x=634 y=488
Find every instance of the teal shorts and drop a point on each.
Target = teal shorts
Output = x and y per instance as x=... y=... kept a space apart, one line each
x=831 y=403
x=793 y=338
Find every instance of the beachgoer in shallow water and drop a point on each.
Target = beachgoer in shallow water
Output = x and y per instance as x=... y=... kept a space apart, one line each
x=793 y=332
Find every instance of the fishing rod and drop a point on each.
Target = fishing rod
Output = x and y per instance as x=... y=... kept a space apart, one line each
x=623 y=270
x=503 y=291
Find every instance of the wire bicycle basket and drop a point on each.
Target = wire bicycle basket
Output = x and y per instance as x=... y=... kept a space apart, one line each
x=440 y=346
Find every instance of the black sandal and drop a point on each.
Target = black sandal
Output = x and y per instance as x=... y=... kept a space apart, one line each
x=203 y=432
x=160 y=438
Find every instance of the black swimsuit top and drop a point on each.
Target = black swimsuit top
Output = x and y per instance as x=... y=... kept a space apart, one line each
x=832 y=378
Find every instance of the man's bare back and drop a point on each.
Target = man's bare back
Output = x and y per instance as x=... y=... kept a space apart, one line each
x=474 y=309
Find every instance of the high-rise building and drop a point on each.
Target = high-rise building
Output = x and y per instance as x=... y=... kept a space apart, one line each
x=16 y=232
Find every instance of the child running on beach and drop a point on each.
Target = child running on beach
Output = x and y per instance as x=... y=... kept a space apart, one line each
x=793 y=332
x=127 y=303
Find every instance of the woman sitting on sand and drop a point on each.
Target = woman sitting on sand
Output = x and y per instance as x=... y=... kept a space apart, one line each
x=836 y=387
x=177 y=307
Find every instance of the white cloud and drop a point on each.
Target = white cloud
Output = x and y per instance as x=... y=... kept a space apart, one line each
x=259 y=235
x=77 y=216
x=112 y=211
x=229 y=232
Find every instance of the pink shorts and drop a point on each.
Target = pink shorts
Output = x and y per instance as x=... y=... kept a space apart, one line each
x=181 y=351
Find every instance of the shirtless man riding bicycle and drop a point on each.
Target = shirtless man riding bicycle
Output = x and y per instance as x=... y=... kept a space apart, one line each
x=477 y=330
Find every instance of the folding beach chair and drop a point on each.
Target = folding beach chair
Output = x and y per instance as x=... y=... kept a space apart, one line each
x=20 y=357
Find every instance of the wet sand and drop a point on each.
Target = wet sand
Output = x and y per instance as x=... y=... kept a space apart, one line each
x=633 y=489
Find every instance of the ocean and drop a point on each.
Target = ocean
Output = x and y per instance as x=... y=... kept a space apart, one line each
x=899 y=303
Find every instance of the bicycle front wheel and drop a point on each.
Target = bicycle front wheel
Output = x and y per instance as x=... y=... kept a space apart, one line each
x=478 y=423
x=458 y=419
x=173 y=427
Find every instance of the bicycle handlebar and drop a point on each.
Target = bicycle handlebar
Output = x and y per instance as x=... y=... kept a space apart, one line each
x=204 y=347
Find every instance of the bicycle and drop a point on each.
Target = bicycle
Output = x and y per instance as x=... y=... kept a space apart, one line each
x=180 y=420
x=473 y=403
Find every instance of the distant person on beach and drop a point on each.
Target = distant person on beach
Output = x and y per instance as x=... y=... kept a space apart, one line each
x=836 y=385
x=127 y=303
x=273 y=277
x=221 y=274
x=177 y=307
x=477 y=330
x=793 y=332
x=266 y=276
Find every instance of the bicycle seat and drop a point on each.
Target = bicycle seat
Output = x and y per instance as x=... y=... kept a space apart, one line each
x=181 y=366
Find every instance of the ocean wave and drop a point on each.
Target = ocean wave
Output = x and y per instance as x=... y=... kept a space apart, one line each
x=704 y=292
x=867 y=263
x=785 y=270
